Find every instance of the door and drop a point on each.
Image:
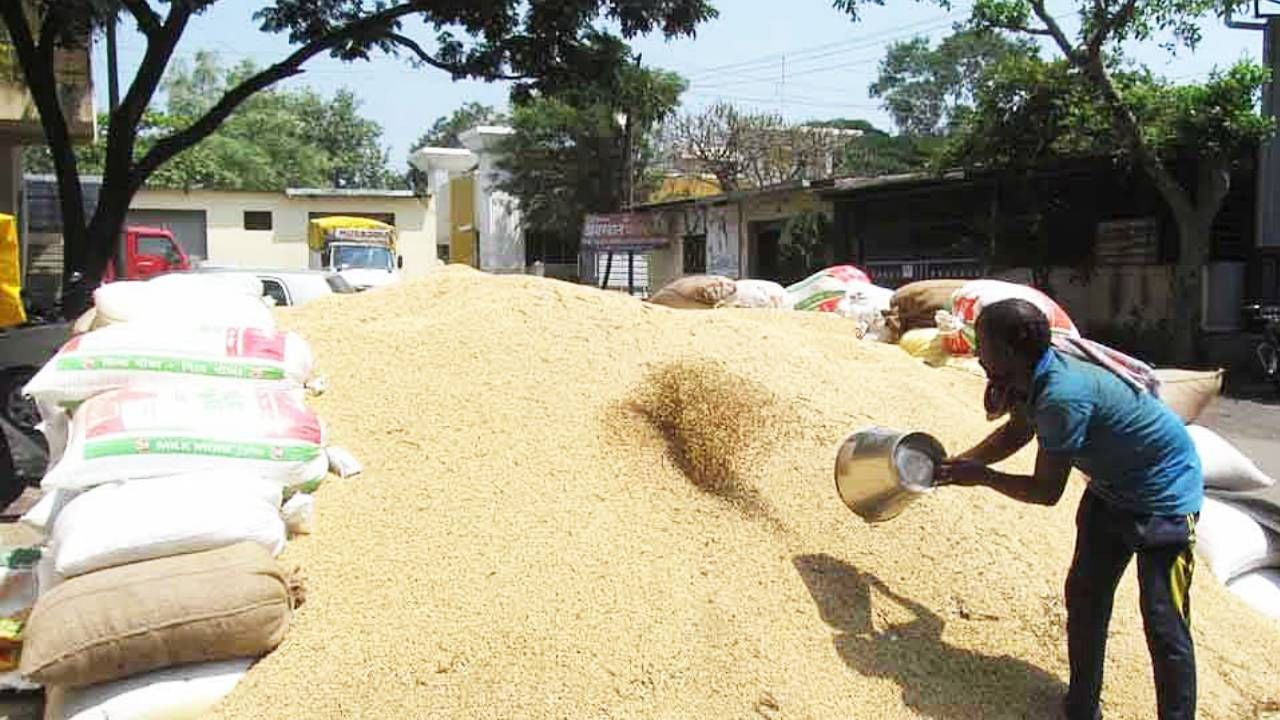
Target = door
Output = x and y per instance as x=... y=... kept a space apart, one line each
x=188 y=227
x=463 y=235
x=151 y=255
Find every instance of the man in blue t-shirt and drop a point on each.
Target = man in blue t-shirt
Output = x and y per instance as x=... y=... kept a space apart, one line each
x=1143 y=498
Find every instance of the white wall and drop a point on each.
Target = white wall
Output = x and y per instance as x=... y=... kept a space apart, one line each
x=285 y=244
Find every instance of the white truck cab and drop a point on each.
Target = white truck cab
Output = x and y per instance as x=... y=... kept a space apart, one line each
x=361 y=251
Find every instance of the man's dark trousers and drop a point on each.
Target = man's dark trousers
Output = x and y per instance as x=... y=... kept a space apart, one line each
x=1106 y=538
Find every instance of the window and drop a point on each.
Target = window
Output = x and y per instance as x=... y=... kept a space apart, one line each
x=157 y=246
x=257 y=219
x=695 y=254
x=274 y=290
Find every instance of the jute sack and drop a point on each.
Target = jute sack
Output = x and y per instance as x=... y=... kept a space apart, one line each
x=915 y=304
x=222 y=604
x=696 y=292
x=1189 y=392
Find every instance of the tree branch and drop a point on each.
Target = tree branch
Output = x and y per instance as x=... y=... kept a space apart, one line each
x=1054 y=30
x=204 y=126
x=456 y=70
x=148 y=20
x=1107 y=24
x=1024 y=29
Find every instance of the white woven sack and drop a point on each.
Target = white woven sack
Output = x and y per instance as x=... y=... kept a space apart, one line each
x=1259 y=590
x=184 y=692
x=133 y=434
x=757 y=294
x=42 y=515
x=1232 y=542
x=143 y=355
x=193 y=303
x=129 y=522
x=1225 y=467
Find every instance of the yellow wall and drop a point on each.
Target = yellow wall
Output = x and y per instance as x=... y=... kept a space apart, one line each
x=285 y=245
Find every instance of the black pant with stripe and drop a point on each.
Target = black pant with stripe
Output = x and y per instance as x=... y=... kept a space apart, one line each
x=1107 y=537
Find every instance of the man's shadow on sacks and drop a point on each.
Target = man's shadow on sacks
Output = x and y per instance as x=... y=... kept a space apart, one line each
x=937 y=680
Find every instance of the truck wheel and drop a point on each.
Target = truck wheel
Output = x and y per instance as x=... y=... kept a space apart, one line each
x=11 y=486
x=17 y=408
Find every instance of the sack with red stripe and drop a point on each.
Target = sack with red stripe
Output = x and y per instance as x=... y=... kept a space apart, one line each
x=130 y=434
x=956 y=324
x=824 y=290
x=144 y=355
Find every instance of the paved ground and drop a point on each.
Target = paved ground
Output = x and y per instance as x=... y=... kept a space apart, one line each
x=1253 y=425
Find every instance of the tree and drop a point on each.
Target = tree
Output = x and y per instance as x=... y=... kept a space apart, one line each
x=875 y=152
x=539 y=44
x=276 y=139
x=752 y=150
x=568 y=156
x=445 y=130
x=925 y=88
x=1160 y=128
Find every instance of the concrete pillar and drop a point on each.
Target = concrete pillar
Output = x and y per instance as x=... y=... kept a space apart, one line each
x=1268 y=233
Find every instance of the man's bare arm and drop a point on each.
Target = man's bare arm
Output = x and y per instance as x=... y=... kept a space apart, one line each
x=1009 y=439
x=1043 y=488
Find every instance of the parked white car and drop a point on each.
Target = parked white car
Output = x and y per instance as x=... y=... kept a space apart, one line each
x=290 y=287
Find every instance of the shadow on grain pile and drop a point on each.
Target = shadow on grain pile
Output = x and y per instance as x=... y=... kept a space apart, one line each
x=938 y=680
x=717 y=428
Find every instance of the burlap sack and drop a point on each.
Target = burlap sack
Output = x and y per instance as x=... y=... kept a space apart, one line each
x=696 y=292
x=1189 y=392
x=914 y=304
x=217 y=605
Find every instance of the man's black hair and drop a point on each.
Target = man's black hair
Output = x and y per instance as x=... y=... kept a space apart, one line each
x=1018 y=325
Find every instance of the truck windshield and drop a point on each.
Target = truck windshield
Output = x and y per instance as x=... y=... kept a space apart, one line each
x=349 y=257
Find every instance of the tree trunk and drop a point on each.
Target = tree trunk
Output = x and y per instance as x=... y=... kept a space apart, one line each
x=1195 y=230
x=1187 y=287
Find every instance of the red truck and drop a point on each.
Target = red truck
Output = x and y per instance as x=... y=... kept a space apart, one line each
x=145 y=252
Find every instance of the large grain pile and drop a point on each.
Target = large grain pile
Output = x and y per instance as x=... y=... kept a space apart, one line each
x=576 y=505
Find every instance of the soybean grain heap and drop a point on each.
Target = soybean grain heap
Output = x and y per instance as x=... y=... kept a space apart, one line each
x=579 y=505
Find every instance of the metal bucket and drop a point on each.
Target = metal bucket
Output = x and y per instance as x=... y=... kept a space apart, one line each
x=880 y=471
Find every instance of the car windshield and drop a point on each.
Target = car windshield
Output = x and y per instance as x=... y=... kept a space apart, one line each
x=348 y=257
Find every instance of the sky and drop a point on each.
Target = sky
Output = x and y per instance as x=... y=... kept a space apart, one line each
x=800 y=58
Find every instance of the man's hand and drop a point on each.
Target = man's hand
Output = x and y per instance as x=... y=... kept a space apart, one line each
x=953 y=471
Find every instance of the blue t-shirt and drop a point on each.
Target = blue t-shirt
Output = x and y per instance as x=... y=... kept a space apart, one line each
x=1135 y=450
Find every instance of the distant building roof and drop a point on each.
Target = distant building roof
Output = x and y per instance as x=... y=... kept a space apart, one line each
x=347 y=192
x=93 y=180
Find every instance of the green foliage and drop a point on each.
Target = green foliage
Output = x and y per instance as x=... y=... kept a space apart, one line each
x=276 y=139
x=567 y=157
x=805 y=246
x=924 y=88
x=445 y=130
x=549 y=45
x=1029 y=111
x=876 y=152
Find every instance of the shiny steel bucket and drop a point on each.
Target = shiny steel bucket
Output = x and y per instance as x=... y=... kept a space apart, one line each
x=880 y=471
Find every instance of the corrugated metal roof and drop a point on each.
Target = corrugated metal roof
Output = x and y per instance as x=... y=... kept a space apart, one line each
x=44 y=213
x=347 y=193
